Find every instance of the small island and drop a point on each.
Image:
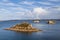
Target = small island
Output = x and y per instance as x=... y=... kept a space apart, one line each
x=51 y=22
x=36 y=21
x=23 y=27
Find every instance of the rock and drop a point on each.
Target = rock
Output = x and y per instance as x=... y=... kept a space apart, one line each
x=36 y=21
x=51 y=22
x=23 y=27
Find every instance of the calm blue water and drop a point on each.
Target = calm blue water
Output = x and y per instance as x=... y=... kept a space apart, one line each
x=50 y=32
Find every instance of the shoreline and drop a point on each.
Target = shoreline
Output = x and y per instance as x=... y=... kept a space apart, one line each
x=22 y=30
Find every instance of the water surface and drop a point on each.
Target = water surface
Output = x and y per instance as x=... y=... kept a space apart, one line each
x=50 y=32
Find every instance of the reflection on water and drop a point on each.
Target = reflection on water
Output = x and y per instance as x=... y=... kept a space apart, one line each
x=49 y=32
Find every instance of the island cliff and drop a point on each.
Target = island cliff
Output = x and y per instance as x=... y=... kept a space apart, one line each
x=23 y=27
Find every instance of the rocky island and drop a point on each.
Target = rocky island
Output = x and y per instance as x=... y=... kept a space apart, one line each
x=51 y=22
x=23 y=27
x=36 y=21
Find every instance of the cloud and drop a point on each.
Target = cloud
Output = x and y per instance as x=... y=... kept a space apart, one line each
x=21 y=13
x=8 y=4
x=15 y=13
x=40 y=10
x=54 y=0
x=45 y=3
x=54 y=13
x=26 y=3
x=36 y=13
x=5 y=0
x=54 y=9
x=10 y=10
x=43 y=13
x=57 y=8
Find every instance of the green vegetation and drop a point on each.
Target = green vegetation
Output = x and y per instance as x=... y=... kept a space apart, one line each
x=23 y=24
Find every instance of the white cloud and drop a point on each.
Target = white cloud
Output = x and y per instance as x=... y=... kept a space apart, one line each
x=57 y=8
x=26 y=2
x=45 y=3
x=8 y=3
x=3 y=11
x=5 y=0
x=20 y=12
x=54 y=9
x=15 y=13
x=55 y=0
x=40 y=10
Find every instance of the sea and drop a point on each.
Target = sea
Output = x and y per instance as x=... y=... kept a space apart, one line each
x=49 y=31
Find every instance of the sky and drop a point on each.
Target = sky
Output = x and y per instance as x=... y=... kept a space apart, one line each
x=29 y=9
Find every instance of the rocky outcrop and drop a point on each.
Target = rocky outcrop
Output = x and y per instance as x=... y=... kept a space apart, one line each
x=51 y=22
x=36 y=21
x=23 y=27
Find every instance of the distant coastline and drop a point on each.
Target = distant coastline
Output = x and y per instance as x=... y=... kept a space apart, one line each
x=32 y=19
